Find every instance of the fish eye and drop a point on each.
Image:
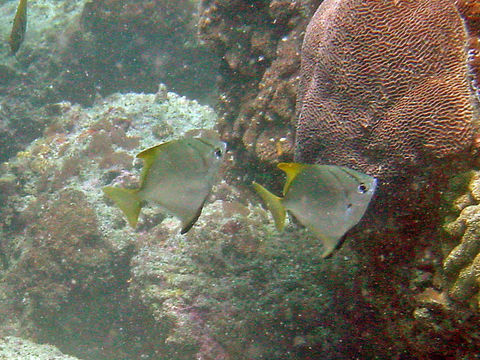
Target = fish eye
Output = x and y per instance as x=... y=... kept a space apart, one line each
x=218 y=152
x=362 y=188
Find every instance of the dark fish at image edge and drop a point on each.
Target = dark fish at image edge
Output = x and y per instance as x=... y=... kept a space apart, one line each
x=17 y=35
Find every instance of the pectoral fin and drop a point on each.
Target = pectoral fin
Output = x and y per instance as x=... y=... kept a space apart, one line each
x=329 y=244
x=187 y=225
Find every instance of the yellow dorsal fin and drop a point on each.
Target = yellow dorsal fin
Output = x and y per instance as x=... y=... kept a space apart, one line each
x=150 y=152
x=292 y=170
x=148 y=156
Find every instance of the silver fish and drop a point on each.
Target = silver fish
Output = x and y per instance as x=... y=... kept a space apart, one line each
x=177 y=175
x=329 y=200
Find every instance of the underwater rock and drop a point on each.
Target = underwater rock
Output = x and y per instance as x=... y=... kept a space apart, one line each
x=258 y=43
x=77 y=49
x=385 y=87
x=64 y=250
x=26 y=79
x=234 y=288
x=60 y=259
x=14 y=348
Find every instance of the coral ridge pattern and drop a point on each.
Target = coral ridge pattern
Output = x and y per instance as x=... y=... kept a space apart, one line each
x=384 y=86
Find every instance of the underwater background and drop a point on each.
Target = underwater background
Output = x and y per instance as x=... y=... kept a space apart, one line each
x=93 y=83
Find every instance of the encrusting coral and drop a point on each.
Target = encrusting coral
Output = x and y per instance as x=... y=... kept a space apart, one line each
x=462 y=248
x=258 y=43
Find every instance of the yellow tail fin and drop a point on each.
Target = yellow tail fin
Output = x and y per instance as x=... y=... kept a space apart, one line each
x=274 y=204
x=127 y=200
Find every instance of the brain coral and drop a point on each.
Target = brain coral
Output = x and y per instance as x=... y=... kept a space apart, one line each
x=384 y=86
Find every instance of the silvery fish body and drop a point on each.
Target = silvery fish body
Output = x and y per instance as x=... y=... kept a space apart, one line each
x=329 y=200
x=177 y=175
x=181 y=175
